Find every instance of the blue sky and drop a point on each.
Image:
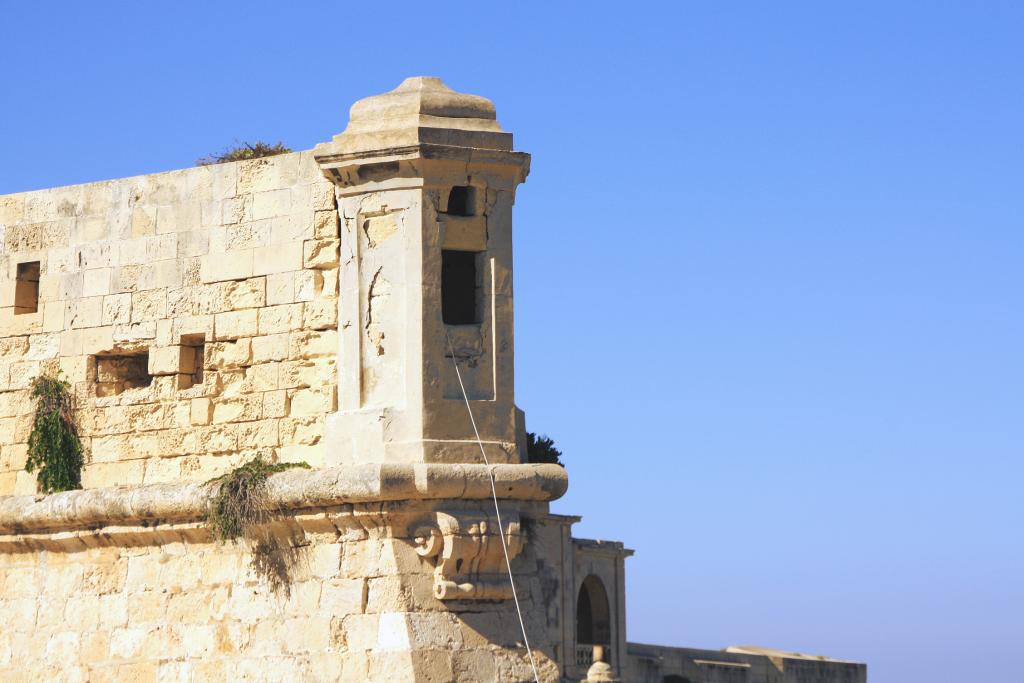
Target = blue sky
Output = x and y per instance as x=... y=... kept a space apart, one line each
x=768 y=273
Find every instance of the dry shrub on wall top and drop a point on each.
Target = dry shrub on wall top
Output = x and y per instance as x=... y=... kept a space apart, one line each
x=243 y=152
x=53 y=445
x=240 y=508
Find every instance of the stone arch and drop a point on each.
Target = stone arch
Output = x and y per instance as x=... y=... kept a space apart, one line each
x=593 y=614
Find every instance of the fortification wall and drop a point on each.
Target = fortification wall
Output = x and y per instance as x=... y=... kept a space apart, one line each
x=194 y=313
x=404 y=588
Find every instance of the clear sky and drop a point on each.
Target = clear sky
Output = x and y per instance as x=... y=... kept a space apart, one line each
x=768 y=273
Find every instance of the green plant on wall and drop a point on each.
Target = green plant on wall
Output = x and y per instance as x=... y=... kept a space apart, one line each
x=240 y=503
x=541 y=449
x=53 y=446
x=240 y=508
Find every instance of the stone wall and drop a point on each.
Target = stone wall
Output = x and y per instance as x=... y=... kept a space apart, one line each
x=362 y=594
x=194 y=313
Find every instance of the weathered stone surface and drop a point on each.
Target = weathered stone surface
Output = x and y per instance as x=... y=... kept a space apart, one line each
x=291 y=308
x=292 y=489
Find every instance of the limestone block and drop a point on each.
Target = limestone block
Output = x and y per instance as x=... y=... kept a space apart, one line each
x=201 y=411
x=132 y=334
x=229 y=354
x=250 y=293
x=133 y=278
x=293 y=228
x=321 y=314
x=23 y=373
x=99 y=475
x=321 y=196
x=12 y=208
x=248 y=235
x=276 y=319
x=281 y=288
x=260 y=434
x=261 y=378
x=325 y=224
x=117 y=309
x=272 y=347
x=94 y=340
x=91 y=255
x=305 y=430
x=231 y=265
x=306 y=373
x=84 y=312
x=193 y=243
x=320 y=253
x=50 y=285
x=97 y=282
x=143 y=221
x=211 y=440
x=75 y=368
x=271 y=203
x=180 y=302
x=277 y=258
x=313 y=344
x=172 y=360
x=178 y=217
x=13 y=348
x=238 y=409
x=236 y=209
x=275 y=404
x=43 y=346
x=149 y=305
x=307 y=284
x=235 y=324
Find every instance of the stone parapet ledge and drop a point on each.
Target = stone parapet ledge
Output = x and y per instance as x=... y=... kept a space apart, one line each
x=291 y=490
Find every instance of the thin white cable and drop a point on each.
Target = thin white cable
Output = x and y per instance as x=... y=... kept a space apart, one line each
x=497 y=510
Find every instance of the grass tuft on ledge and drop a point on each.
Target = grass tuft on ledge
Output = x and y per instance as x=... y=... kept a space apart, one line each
x=240 y=503
x=244 y=152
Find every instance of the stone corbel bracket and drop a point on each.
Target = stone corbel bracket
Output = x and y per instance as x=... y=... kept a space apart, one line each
x=468 y=554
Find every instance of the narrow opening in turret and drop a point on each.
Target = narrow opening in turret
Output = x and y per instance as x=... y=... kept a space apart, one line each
x=462 y=201
x=26 y=288
x=460 y=287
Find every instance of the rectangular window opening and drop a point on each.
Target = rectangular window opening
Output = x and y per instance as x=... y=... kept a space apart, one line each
x=460 y=287
x=26 y=288
x=197 y=344
x=117 y=373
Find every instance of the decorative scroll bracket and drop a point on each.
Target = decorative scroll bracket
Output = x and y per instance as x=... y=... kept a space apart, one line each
x=469 y=559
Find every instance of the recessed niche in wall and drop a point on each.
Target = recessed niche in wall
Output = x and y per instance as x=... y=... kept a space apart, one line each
x=117 y=373
x=26 y=288
x=462 y=201
x=460 y=287
x=197 y=344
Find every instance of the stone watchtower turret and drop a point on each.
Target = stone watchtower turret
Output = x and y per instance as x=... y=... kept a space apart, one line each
x=347 y=312
x=425 y=180
x=348 y=309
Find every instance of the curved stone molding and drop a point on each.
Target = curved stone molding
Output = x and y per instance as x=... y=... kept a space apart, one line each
x=469 y=559
x=291 y=490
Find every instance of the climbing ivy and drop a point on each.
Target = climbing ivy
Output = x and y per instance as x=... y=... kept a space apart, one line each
x=53 y=446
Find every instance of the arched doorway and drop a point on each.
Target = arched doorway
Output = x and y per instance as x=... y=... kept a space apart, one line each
x=593 y=620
